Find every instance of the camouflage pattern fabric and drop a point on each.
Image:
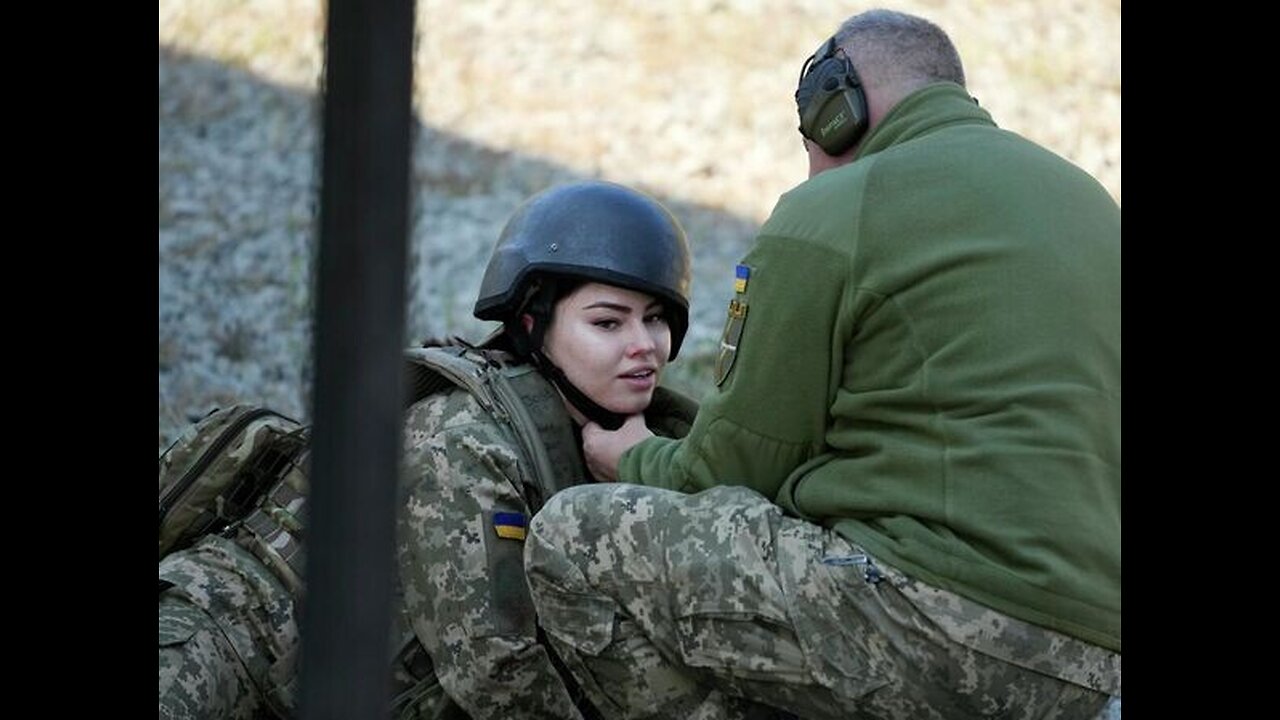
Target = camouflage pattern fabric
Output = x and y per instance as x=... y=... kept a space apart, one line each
x=465 y=631
x=228 y=639
x=464 y=589
x=224 y=616
x=655 y=598
x=464 y=595
x=493 y=661
x=200 y=675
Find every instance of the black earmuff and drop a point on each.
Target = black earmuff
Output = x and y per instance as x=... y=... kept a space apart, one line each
x=832 y=105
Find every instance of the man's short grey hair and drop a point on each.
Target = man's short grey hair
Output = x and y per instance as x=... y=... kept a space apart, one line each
x=899 y=50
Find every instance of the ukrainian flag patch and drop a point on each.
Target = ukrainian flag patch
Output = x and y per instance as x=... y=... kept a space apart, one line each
x=510 y=525
x=740 y=276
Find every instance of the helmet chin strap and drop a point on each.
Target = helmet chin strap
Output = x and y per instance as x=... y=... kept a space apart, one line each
x=539 y=305
x=606 y=419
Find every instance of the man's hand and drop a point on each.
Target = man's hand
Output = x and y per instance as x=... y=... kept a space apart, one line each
x=603 y=448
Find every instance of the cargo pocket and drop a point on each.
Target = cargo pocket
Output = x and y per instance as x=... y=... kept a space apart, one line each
x=583 y=622
x=836 y=610
x=733 y=621
x=742 y=646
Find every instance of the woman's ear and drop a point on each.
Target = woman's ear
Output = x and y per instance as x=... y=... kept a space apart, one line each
x=527 y=320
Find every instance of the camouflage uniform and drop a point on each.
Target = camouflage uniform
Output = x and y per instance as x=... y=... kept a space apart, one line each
x=466 y=630
x=921 y=364
x=653 y=596
x=464 y=502
x=228 y=637
x=464 y=589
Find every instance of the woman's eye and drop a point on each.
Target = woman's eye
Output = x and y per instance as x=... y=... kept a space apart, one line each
x=655 y=318
x=607 y=324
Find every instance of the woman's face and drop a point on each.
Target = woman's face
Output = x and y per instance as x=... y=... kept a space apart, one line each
x=611 y=343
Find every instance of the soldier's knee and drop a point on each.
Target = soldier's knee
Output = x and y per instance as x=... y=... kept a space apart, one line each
x=560 y=519
x=587 y=509
x=557 y=537
x=543 y=548
x=563 y=506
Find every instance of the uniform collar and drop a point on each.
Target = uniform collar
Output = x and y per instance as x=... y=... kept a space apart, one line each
x=930 y=108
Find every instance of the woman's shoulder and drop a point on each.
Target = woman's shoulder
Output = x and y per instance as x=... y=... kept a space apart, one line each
x=444 y=371
x=449 y=409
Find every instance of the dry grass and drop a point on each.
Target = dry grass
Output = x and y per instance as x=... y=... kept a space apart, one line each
x=689 y=98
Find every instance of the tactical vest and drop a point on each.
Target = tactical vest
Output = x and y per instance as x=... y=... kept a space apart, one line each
x=516 y=397
x=513 y=393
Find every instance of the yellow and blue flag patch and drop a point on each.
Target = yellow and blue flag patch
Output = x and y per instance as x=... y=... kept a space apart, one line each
x=510 y=525
x=740 y=276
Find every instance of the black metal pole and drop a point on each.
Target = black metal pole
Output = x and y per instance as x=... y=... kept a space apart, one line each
x=358 y=344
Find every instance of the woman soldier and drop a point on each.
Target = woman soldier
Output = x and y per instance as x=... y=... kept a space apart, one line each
x=591 y=284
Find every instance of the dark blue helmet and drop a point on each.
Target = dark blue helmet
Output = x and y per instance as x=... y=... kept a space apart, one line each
x=596 y=231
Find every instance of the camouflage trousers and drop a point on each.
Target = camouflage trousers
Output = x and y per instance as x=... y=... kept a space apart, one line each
x=655 y=598
x=228 y=638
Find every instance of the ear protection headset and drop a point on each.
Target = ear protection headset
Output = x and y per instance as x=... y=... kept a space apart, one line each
x=832 y=105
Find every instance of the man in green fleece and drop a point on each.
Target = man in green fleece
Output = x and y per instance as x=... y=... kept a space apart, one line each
x=903 y=498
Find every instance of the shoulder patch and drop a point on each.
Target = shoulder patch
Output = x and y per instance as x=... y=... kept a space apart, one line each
x=509 y=525
x=731 y=338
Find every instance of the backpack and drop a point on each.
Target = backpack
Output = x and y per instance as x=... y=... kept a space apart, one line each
x=222 y=468
x=215 y=473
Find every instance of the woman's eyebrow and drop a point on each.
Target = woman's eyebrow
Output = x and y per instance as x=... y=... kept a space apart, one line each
x=608 y=306
x=619 y=307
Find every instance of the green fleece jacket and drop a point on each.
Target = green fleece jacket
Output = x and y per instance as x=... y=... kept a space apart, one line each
x=929 y=363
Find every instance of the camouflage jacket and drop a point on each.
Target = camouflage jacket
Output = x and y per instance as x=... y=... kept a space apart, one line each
x=468 y=491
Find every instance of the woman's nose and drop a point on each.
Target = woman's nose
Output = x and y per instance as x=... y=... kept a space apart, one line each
x=641 y=340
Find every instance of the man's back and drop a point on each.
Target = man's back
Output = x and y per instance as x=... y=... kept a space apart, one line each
x=975 y=426
x=921 y=364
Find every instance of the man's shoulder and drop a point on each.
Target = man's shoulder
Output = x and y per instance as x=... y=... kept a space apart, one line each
x=828 y=189
x=822 y=209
